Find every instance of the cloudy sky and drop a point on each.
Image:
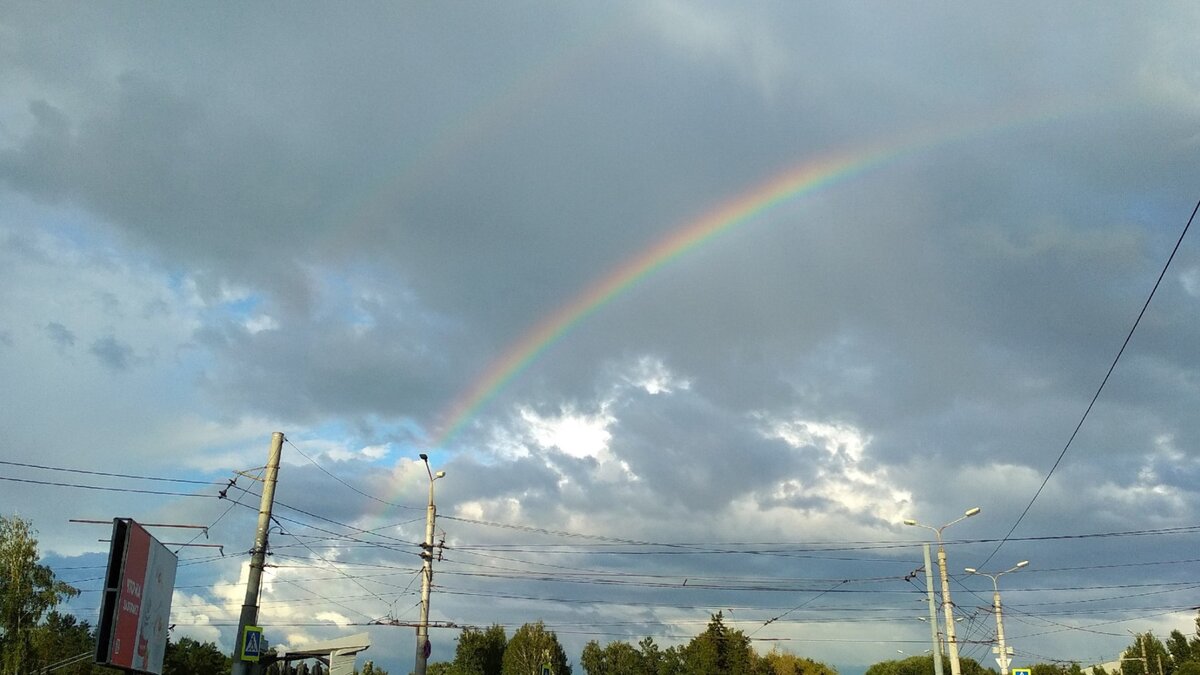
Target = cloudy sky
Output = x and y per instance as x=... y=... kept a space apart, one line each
x=673 y=291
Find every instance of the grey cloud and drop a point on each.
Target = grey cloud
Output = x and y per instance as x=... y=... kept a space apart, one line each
x=60 y=335
x=113 y=353
x=403 y=206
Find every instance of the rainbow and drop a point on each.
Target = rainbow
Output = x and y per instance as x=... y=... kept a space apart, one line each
x=788 y=185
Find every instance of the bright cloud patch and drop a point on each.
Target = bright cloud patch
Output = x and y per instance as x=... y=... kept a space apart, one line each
x=575 y=434
x=842 y=478
x=652 y=376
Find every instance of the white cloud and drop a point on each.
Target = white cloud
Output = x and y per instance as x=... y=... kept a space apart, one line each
x=1190 y=280
x=572 y=433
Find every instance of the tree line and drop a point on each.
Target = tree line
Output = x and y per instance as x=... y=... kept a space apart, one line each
x=719 y=650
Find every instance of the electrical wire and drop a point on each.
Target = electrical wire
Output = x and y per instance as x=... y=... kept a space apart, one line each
x=113 y=475
x=331 y=475
x=103 y=488
x=1099 y=389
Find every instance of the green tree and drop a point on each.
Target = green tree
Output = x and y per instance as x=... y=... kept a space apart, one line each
x=592 y=658
x=62 y=636
x=1178 y=647
x=530 y=647
x=1055 y=669
x=783 y=663
x=671 y=662
x=1155 y=651
x=1188 y=668
x=27 y=591
x=192 y=657
x=369 y=668
x=480 y=652
x=721 y=650
x=923 y=665
x=969 y=666
x=656 y=661
x=615 y=658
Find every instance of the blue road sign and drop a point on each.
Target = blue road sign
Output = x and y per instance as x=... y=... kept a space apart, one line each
x=252 y=643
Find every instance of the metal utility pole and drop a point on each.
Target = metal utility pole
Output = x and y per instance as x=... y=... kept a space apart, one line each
x=423 y=645
x=947 y=606
x=933 y=623
x=258 y=555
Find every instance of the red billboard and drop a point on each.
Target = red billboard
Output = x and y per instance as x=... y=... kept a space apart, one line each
x=136 y=608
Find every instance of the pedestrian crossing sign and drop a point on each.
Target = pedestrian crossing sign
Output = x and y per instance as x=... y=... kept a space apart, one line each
x=1021 y=671
x=252 y=643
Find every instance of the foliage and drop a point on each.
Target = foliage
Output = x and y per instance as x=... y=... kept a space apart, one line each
x=62 y=636
x=1055 y=669
x=923 y=665
x=782 y=663
x=616 y=658
x=27 y=591
x=480 y=652
x=530 y=647
x=192 y=657
x=720 y=650
x=369 y=668
x=1155 y=652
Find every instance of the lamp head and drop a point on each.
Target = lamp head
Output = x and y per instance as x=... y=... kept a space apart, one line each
x=971 y=570
x=971 y=512
x=909 y=521
x=1023 y=563
x=424 y=457
x=440 y=474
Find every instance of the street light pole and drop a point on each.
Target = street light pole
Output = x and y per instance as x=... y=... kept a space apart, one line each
x=423 y=646
x=947 y=606
x=1001 y=649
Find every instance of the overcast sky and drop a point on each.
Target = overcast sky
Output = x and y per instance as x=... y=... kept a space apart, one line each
x=764 y=279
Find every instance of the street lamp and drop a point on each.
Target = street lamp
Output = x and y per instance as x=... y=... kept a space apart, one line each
x=1002 y=659
x=947 y=607
x=423 y=646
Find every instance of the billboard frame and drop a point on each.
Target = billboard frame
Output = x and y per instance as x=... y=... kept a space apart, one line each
x=136 y=604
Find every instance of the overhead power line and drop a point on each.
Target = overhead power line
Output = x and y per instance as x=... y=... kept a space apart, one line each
x=104 y=488
x=351 y=487
x=112 y=475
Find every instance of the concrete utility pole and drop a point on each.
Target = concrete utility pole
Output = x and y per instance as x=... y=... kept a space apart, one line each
x=933 y=624
x=1002 y=649
x=1145 y=661
x=947 y=606
x=258 y=556
x=423 y=645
